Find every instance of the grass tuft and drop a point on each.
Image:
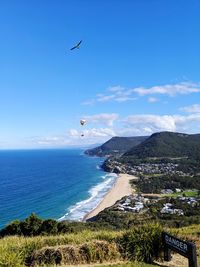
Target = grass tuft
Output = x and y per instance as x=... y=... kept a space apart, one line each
x=92 y=252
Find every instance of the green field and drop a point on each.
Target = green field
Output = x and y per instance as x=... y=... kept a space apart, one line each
x=186 y=193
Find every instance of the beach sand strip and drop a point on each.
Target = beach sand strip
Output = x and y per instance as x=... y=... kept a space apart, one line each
x=120 y=189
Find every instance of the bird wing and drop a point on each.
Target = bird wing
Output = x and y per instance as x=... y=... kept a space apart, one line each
x=76 y=46
x=73 y=48
x=79 y=43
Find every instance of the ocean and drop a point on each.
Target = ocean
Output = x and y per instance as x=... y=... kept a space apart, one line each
x=55 y=183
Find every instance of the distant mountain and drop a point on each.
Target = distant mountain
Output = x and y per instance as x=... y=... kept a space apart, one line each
x=116 y=145
x=167 y=144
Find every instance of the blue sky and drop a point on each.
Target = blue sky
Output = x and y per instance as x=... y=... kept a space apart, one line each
x=136 y=72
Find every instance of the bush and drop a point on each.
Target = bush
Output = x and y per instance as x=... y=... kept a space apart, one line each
x=49 y=227
x=34 y=225
x=49 y=255
x=142 y=243
x=95 y=251
x=14 y=228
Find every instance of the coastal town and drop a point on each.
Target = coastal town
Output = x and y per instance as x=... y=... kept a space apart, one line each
x=137 y=203
x=142 y=168
x=162 y=189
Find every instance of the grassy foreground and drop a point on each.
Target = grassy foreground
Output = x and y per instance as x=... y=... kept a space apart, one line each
x=87 y=247
x=15 y=251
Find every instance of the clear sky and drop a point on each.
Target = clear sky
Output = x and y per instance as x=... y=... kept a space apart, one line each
x=136 y=72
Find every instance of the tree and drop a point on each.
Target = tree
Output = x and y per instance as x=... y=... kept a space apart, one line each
x=49 y=227
x=12 y=229
x=31 y=225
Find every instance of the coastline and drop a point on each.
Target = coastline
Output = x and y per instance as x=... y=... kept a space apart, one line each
x=120 y=189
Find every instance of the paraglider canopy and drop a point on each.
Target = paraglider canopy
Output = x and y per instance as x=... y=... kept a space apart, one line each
x=82 y=122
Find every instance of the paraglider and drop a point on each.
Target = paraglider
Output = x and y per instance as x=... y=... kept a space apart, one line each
x=82 y=122
x=76 y=46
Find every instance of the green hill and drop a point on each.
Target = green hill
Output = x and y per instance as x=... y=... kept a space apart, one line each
x=116 y=145
x=167 y=144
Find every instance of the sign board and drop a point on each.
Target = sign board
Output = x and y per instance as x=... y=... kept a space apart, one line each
x=186 y=249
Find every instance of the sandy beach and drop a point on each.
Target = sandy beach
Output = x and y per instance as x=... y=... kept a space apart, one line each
x=120 y=189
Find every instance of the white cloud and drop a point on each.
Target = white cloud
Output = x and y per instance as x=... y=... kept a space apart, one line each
x=191 y=109
x=116 y=89
x=74 y=137
x=99 y=132
x=124 y=98
x=152 y=99
x=92 y=133
x=185 y=121
x=132 y=125
x=103 y=118
x=169 y=89
x=73 y=133
x=149 y=123
x=90 y=136
x=104 y=98
x=119 y=94
x=122 y=94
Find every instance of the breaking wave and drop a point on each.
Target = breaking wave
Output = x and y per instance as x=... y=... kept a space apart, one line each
x=96 y=194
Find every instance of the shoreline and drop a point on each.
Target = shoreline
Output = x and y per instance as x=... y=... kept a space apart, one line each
x=121 y=188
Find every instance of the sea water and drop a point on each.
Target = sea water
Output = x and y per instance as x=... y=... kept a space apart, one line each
x=54 y=183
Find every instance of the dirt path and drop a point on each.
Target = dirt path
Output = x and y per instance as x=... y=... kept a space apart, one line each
x=177 y=261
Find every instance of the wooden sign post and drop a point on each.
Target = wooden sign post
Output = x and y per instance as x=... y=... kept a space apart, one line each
x=186 y=249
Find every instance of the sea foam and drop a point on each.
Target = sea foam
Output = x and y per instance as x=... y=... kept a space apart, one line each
x=96 y=194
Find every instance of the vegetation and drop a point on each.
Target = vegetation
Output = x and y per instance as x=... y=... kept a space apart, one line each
x=86 y=246
x=37 y=242
x=186 y=193
x=142 y=243
x=168 y=144
x=91 y=252
x=191 y=213
x=33 y=226
x=158 y=145
x=107 y=220
x=125 y=220
x=129 y=264
x=186 y=165
x=122 y=220
x=154 y=184
x=116 y=145
x=18 y=250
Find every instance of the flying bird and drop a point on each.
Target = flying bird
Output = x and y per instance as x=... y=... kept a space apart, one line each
x=76 y=46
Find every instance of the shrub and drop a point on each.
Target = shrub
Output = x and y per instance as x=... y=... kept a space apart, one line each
x=99 y=251
x=49 y=227
x=12 y=229
x=34 y=225
x=142 y=243
x=95 y=251
x=48 y=255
